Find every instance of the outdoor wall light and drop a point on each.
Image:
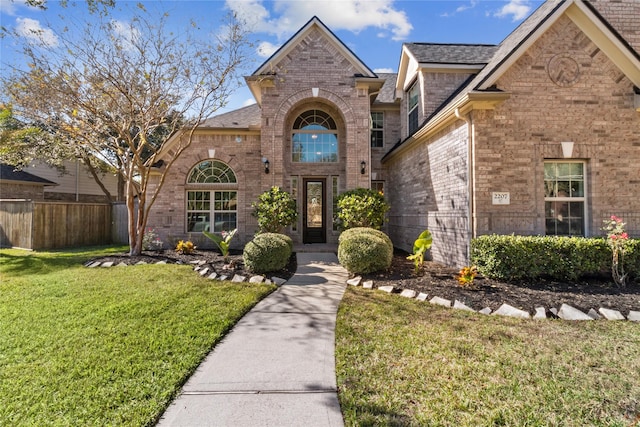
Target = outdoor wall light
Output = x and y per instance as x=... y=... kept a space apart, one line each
x=363 y=165
x=265 y=161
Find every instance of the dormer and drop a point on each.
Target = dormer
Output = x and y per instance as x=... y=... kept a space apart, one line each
x=430 y=73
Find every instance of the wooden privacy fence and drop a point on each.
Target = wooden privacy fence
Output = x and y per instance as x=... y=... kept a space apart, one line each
x=49 y=225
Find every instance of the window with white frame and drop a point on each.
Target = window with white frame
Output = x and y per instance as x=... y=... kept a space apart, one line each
x=377 y=129
x=564 y=198
x=412 y=107
x=211 y=198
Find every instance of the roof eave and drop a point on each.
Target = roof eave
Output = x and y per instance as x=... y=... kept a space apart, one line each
x=473 y=100
x=442 y=67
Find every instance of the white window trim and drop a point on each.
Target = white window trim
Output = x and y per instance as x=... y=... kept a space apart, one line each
x=212 y=207
x=416 y=107
x=372 y=129
x=584 y=199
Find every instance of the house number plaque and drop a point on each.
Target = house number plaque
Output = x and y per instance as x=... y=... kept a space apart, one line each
x=500 y=198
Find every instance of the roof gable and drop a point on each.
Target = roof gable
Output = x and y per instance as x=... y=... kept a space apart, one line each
x=290 y=44
x=585 y=17
x=480 y=90
x=266 y=71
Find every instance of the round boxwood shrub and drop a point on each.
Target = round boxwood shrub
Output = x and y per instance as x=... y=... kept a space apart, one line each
x=267 y=252
x=364 y=250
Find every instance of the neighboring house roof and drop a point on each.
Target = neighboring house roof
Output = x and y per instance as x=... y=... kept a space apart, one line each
x=242 y=118
x=481 y=86
x=9 y=173
x=387 y=91
x=447 y=53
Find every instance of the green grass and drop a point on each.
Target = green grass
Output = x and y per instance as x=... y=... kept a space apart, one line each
x=104 y=346
x=402 y=362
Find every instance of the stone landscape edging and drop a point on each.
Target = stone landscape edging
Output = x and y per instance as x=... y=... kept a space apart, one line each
x=201 y=267
x=565 y=312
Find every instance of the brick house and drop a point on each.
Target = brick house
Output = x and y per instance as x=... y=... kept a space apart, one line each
x=537 y=135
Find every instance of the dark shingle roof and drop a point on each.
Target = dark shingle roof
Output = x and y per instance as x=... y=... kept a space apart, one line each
x=9 y=173
x=501 y=53
x=387 y=91
x=241 y=118
x=446 y=53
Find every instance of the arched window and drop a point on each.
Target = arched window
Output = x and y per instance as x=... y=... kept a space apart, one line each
x=315 y=138
x=211 y=200
x=211 y=172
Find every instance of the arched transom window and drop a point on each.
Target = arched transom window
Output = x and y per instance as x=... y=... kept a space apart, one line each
x=315 y=138
x=211 y=172
x=213 y=205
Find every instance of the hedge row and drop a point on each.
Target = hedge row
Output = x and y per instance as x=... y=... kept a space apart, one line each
x=557 y=258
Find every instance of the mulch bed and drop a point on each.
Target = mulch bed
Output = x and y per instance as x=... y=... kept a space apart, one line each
x=212 y=259
x=439 y=280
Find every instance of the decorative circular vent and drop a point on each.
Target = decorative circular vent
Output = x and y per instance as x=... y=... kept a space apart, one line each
x=563 y=70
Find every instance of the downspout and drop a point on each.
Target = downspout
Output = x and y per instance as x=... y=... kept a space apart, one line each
x=471 y=233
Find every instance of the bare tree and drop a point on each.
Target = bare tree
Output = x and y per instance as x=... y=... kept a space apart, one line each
x=109 y=86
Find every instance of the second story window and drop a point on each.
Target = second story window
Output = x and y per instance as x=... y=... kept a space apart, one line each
x=412 y=108
x=315 y=138
x=377 y=129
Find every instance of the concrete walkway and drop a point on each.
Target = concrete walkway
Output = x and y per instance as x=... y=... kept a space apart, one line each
x=277 y=366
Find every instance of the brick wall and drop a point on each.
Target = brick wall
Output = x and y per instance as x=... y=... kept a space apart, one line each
x=624 y=16
x=429 y=190
x=437 y=88
x=316 y=63
x=21 y=191
x=168 y=215
x=596 y=113
x=391 y=137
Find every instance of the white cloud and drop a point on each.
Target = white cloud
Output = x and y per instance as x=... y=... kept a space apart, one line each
x=352 y=15
x=464 y=7
x=126 y=33
x=10 y=7
x=32 y=30
x=383 y=70
x=7 y=7
x=266 y=49
x=460 y=9
x=518 y=9
x=248 y=102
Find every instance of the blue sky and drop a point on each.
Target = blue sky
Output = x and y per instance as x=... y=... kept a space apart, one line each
x=373 y=29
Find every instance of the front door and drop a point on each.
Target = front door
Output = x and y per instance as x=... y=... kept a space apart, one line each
x=313 y=215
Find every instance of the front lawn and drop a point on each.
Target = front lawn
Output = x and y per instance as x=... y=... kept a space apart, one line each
x=403 y=362
x=104 y=346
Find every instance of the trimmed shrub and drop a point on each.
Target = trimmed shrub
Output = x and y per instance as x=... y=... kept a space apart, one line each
x=364 y=250
x=361 y=207
x=275 y=210
x=557 y=258
x=267 y=252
